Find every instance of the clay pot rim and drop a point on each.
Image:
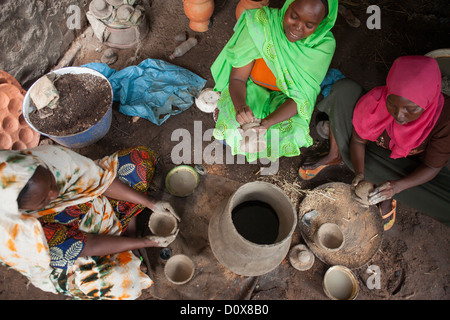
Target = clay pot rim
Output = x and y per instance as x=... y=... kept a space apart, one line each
x=351 y=276
x=155 y=214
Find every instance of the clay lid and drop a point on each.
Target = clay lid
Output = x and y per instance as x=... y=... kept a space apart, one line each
x=124 y=12
x=15 y=134
x=207 y=100
x=115 y=3
x=100 y=9
x=301 y=258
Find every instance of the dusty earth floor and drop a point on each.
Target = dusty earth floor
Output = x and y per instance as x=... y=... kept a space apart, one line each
x=414 y=256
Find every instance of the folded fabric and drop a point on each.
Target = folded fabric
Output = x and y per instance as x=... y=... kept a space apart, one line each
x=331 y=77
x=44 y=94
x=153 y=89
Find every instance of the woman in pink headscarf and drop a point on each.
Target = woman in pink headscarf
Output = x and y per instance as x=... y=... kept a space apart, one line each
x=398 y=138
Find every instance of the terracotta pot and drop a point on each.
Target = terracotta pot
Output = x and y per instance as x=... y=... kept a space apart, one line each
x=15 y=134
x=249 y=4
x=198 y=12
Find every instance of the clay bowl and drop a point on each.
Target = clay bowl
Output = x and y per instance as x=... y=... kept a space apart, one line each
x=339 y=283
x=182 y=180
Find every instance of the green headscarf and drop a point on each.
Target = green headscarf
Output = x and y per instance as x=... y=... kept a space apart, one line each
x=299 y=67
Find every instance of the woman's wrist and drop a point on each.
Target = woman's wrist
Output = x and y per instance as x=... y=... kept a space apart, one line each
x=149 y=202
x=239 y=106
x=360 y=175
x=266 y=123
x=397 y=186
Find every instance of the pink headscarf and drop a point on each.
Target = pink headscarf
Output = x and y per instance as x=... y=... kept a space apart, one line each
x=416 y=78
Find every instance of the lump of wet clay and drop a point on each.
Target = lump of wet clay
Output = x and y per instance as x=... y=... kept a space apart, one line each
x=252 y=141
x=362 y=191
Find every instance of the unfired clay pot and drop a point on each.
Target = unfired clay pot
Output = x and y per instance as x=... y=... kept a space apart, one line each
x=162 y=225
x=249 y=4
x=233 y=250
x=362 y=190
x=179 y=269
x=198 y=12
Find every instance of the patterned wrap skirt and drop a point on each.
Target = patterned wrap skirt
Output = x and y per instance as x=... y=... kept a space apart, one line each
x=116 y=276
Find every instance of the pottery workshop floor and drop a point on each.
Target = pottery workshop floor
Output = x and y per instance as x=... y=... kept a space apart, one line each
x=414 y=256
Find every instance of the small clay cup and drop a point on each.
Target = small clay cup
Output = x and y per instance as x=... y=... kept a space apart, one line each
x=162 y=225
x=329 y=236
x=179 y=269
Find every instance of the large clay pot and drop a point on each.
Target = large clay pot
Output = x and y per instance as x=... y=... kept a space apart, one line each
x=198 y=12
x=237 y=252
x=249 y=4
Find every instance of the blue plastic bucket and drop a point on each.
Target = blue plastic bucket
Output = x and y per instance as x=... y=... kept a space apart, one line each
x=81 y=139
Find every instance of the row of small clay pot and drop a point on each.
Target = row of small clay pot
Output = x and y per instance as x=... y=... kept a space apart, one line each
x=199 y=12
x=116 y=13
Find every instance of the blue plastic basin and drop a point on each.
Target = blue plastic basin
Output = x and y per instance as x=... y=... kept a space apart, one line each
x=81 y=139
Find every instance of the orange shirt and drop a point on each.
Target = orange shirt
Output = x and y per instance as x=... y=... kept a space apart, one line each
x=262 y=75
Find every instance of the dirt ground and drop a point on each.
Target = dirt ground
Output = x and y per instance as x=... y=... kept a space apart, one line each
x=414 y=256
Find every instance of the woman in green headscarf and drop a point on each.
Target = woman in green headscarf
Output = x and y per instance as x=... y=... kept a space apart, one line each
x=269 y=75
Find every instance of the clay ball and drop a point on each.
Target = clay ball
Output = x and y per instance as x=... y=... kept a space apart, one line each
x=363 y=189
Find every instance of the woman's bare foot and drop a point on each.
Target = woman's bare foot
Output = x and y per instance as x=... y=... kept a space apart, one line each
x=385 y=206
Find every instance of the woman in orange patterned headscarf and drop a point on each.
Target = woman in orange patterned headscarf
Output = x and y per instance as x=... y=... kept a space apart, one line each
x=61 y=217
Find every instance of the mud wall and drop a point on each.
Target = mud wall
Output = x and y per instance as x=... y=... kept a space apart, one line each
x=35 y=34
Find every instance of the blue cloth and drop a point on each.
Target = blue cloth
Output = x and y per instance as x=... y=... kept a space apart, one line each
x=331 y=77
x=152 y=89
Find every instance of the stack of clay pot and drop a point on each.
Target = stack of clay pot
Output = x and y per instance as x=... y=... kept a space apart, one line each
x=15 y=134
x=117 y=23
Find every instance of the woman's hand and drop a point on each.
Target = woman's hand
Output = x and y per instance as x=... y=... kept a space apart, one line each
x=165 y=208
x=384 y=191
x=238 y=93
x=388 y=189
x=356 y=180
x=162 y=241
x=244 y=114
x=264 y=126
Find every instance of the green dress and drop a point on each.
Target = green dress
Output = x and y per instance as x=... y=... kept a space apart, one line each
x=299 y=68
